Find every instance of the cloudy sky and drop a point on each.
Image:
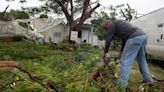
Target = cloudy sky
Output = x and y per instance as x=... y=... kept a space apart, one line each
x=142 y=6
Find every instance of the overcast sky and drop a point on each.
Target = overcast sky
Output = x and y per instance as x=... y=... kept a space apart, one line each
x=142 y=6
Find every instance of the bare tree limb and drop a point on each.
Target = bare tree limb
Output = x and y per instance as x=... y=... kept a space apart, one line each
x=92 y=10
x=33 y=78
x=64 y=9
x=83 y=18
x=72 y=14
x=14 y=64
x=85 y=4
x=5 y=9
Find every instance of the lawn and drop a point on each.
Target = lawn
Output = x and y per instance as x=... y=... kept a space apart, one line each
x=55 y=68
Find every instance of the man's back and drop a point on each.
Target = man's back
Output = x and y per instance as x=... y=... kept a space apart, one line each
x=126 y=30
x=123 y=30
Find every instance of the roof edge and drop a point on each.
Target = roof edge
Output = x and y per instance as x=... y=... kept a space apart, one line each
x=149 y=13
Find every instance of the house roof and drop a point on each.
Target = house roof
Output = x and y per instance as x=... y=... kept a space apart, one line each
x=151 y=12
x=86 y=27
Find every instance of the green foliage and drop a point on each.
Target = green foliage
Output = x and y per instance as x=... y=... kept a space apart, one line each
x=13 y=14
x=23 y=24
x=20 y=50
x=64 y=45
x=98 y=28
x=43 y=16
x=53 y=5
x=16 y=14
x=18 y=38
x=5 y=16
x=128 y=13
x=119 y=11
x=57 y=67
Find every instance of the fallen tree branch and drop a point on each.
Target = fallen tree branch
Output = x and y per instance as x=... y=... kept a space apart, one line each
x=14 y=64
x=33 y=78
x=36 y=79
x=158 y=80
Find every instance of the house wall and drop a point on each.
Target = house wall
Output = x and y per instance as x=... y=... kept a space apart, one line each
x=19 y=30
x=85 y=35
x=149 y=23
x=46 y=27
x=56 y=34
x=153 y=24
x=93 y=39
x=7 y=28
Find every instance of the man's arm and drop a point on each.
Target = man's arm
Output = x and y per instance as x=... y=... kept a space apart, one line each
x=110 y=35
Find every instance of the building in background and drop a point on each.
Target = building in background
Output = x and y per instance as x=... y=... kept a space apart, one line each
x=153 y=24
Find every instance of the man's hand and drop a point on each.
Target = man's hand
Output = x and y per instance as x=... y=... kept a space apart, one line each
x=106 y=56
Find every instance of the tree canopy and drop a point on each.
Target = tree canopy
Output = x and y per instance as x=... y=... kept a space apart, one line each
x=13 y=14
x=76 y=12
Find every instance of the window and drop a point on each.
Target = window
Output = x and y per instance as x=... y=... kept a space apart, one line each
x=160 y=25
x=57 y=34
x=161 y=36
x=79 y=34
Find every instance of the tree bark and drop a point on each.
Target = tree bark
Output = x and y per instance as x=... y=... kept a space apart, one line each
x=67 y=15
x=84 y=16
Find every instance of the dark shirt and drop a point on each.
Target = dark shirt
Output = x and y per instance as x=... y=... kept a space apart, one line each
x=123 y=30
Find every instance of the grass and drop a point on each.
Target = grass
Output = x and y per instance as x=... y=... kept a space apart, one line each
x=48 y=61
x=136 y=77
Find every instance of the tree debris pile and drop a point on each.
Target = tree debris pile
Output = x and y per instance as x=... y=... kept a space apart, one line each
x=57 y=70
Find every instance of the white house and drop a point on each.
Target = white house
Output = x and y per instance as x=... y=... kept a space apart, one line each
x=53 y=30
x=86 y=35
x=6 y=28
x=153 y=24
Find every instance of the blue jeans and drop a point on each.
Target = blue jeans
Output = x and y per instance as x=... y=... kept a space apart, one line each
x=134 y=48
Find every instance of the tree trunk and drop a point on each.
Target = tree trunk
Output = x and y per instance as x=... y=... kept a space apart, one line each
x=84 y=17
x=86 y=13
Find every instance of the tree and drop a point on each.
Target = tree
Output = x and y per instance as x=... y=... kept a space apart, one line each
x=13 y=14
x=16 y=14
x=43 y=16
x=4 y=14
x=83 y=6
x=75 y=11
x=128 y=13
x=70 y=8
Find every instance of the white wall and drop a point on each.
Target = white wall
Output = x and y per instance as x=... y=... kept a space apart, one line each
x=149 y=23
x=85 y=35
x=59 y=30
